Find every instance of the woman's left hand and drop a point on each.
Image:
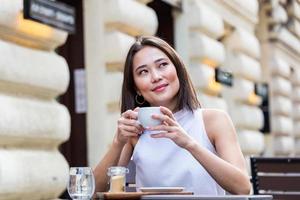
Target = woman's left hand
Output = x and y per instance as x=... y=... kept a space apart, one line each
x=171 y=129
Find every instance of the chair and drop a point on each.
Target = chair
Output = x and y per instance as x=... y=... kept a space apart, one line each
x=130 y=177
x=277 y=176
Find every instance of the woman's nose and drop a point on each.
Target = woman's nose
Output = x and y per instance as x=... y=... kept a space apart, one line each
x=155 y=75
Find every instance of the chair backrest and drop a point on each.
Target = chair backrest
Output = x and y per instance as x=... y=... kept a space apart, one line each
x=130 y=177
x=277 y=176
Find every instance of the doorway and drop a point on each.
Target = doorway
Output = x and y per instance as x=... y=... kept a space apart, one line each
x=74 y=150
x=164 y=12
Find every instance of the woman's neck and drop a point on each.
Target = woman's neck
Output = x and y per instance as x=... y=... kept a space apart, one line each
x=172 y=107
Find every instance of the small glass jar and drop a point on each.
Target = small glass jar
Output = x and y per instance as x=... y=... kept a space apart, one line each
x=117 y=178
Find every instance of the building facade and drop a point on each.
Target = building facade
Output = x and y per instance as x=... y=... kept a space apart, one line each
x=32 y=124
x=246 y=43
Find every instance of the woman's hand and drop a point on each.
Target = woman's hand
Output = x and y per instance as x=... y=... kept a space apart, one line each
x=171 y=129
x=128 y=126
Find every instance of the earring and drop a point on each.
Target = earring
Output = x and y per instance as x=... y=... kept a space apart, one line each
x=139 y=99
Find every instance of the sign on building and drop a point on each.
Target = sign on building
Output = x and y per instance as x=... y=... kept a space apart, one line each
x=52 y=13
x=223 y=77
x=262 y=90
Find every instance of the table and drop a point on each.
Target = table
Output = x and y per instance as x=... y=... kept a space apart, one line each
x=185 y=196
x=197 y=197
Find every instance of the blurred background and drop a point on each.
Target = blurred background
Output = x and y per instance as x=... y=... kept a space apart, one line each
x=61 y=68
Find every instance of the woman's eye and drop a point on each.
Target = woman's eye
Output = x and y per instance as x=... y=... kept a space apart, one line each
x=142 y=72
x=163 y=64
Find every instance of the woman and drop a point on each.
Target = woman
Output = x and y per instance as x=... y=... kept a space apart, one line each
x=195 y=148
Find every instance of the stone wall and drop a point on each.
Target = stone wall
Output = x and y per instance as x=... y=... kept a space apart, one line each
x=279 y=36
x=32 y=123
x=222 y=36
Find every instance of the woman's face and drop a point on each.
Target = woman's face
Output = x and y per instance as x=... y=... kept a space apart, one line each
x=155 y=77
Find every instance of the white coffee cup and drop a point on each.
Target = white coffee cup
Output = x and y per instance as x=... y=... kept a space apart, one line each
x=145 y=116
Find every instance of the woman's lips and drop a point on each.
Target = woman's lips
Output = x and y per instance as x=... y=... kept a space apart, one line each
x=160 y=88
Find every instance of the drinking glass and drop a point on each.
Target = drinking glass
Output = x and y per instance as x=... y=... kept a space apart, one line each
x=81 y=183
x=117 y=178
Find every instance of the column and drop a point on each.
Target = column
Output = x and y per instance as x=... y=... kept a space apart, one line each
x=32 y=123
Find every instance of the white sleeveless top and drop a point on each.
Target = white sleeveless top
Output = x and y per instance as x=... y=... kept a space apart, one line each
x=161 y=163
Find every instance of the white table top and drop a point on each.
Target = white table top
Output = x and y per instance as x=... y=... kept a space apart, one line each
x=197 y=197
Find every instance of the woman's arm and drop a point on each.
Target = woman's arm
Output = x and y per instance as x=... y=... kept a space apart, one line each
x=121 y=149
x=228 y=167
x=117 y=153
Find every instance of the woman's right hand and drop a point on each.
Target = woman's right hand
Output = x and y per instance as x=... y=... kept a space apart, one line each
x=128 y=126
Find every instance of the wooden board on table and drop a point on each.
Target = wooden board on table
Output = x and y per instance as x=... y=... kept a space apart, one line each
x=135 y=195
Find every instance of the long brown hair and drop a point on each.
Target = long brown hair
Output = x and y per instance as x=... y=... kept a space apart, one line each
x=187 y=97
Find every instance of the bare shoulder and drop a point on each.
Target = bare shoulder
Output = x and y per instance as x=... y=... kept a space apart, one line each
x=216 y=121
x=213 y=116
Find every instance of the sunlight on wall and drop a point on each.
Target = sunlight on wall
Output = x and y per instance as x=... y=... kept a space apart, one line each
x=209 y=62
x=253 y=99
x=34 y=28
x=214 y=88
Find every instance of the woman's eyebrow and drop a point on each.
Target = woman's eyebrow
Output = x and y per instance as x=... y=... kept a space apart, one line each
x=144 y=65
x=139 y=67
x=159 y=59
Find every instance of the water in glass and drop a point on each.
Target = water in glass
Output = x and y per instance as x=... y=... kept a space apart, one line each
x=81 y=183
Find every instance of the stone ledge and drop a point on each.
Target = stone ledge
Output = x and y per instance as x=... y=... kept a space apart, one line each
x=115 y=54
x=281 y=105
x=206 y=49
x=281 y=86
x=199 y=14
x=243 y=41
x=246 y=67
x=283 y=145
x=281 y=125
x=26 y=32
x=32 y=123
x=246 y=140
x=28 y=174
x=17 y=64
x=123 y=15
x=247 y=117
x=215 y=102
